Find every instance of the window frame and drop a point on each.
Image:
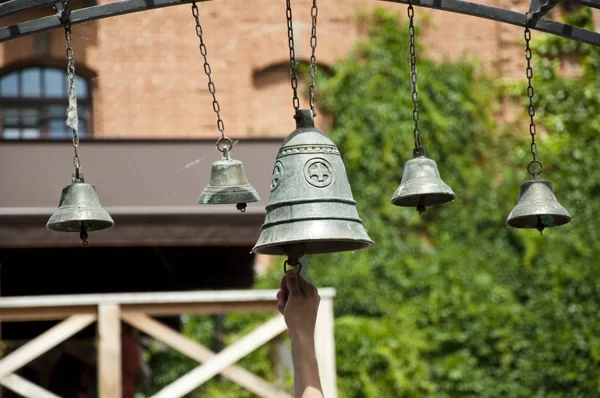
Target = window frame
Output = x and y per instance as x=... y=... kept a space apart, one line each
x=21 y=101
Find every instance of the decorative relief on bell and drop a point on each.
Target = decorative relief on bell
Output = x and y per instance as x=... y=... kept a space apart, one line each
x=277 y=174
x=318 y=172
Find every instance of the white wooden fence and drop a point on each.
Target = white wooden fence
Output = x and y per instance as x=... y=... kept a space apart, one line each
x=137 y=309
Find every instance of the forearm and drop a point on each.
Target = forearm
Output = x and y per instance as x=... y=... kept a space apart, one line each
x=307 y=383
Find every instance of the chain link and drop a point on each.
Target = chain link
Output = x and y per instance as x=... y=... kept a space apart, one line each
x=413 y=75
x=531 y=108
x=314 y=11
x=208 y=71
x=66 y=18
x=293 y=73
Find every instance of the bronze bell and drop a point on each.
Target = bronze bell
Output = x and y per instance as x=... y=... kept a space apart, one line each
x=228 y=182
x=537 y=207
x=421 y=184
x=311 y=209
x=79 y=210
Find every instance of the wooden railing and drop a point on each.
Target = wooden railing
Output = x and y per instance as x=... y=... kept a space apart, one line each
x=137 y=309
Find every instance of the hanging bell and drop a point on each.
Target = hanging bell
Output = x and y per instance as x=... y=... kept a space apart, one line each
x=228 y=182
x=421 y=184
x=311 y=209
x=79 y=210
x=537 y=207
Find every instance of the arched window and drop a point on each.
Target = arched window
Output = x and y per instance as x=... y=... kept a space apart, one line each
x=33 y=104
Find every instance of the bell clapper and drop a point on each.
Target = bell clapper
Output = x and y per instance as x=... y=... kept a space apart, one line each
x=83 y=235
x=421 y=207
x=241 y=207
x=540 y=225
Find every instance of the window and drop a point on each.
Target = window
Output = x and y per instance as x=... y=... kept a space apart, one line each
x=33 y=104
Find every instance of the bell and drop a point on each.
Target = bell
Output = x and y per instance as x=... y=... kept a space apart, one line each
x=79 y=210
x=311 y=209
x=228 y=183
x=421 y=184
x=537 y=207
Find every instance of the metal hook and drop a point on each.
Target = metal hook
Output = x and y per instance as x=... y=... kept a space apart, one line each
x=286 y=263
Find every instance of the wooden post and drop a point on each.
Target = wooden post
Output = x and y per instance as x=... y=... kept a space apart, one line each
x=325 y=346
x=109 y=351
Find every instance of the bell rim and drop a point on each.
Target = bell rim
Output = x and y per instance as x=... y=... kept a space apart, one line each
x=245 y=196
x=361 y=244
x=97 y=225
x=510 y=221
x=395 y=200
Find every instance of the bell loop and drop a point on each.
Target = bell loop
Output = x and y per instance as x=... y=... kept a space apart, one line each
x=224 y=144
x=419 y=152
x=298 y=265
x=304 y=118
x=535 y=171
x=77 y=177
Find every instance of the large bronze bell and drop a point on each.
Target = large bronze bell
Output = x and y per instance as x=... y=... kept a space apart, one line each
x=79 y=210
x=228 y=182
x=421 y=184
x=311 y=209
x=537 y=207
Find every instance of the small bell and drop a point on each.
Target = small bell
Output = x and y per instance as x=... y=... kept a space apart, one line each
x=79 y=210
x=421 y=184
x=537 y=207
x=228 y=182
x=311 y=209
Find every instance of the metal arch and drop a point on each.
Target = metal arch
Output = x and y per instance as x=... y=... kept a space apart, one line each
x=538 y=9
x=80 y=15
x=515 y=18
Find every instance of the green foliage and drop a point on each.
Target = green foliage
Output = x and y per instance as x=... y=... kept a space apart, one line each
x=452 y=303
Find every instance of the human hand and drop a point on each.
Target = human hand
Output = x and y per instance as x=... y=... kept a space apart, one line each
x=298 y=301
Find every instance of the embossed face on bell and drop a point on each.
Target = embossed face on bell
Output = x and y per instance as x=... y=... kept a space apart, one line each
x=318 y=172
x=277 y=174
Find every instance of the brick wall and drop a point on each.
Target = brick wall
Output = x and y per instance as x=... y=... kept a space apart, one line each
x=148 y=80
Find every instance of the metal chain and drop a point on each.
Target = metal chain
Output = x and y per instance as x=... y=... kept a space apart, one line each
x=293 y=74
x=66 y=18
x=531 y=108
x=314 y=11
x=208 y=71
x=413 y=75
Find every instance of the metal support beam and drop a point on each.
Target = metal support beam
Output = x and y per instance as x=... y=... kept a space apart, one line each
x=458 y=6
x=14 y=6
x=539 y=8
x=587 y=3
x=85 y=15
x=509 y=17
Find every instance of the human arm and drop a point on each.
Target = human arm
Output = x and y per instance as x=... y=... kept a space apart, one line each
x=298 y=301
